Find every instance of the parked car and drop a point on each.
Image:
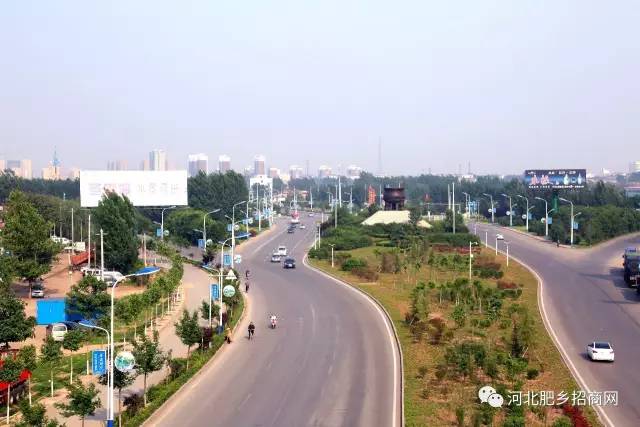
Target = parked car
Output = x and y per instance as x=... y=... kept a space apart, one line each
x=600 y=350
x=499 y=237
x=282 y=250
x=289 y=263
x=57 y=331
x=37 y=291
x=276 y=257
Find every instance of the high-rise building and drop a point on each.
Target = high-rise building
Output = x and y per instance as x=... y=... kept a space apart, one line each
x=158 y=160
x=14 y=165
x=353 y=171
x=224 y=163
x=248 y=171
x=258 y=165
x=27 y=170
x=274 y=173
x=3 y=165
x=144 y=165
x=295 y=172
x=371 y=196
x=117 y=165
x=21 y=168
x=198 y=163
x=324 y=171
x=74 y=173
x=634 y=166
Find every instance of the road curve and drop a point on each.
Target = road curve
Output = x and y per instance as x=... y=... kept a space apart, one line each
x=585 y=299
x=332 y=361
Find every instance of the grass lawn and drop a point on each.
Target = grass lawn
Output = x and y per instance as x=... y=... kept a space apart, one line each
x=433 y=401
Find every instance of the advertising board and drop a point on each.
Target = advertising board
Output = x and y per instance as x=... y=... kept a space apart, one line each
x=556 y=179
x=143 y=188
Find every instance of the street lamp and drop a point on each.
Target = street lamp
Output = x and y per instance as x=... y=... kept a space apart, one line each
x=510 y=209
x=233 y=231
x=162 y=221
x=572 y=216
x=204 y=228
x=507 y=244
x=332 y=264
x=467 y=200
x=142 y=272
x=546 y=216
x=88 y=324
x=527 y=210
x=470 y=257
x=492 y=210
x=220 y=280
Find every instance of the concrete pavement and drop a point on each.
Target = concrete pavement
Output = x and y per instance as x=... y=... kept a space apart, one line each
x=584 y=298
x=331 y=362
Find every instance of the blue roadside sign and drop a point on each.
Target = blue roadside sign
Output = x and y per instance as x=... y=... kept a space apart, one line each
x=99 y=362
x=215 y=291
x=575 y=225
x=201 y=243
x=158 y=232
x=226 y=259
x=229 y=228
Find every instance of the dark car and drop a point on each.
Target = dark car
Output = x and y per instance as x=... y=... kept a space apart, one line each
x=290 y=230
x=289 y=263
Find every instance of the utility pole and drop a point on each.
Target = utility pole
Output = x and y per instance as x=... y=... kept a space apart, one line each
x=510 y=210
x=527 y=210
x=546 y=216
x=101 y=255
x=453 y=199
x=492 y=210
x=73 y=242
x=89 y=250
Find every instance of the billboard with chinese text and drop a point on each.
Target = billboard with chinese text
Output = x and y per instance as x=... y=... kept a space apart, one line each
x=143 y=188
x=543 y=179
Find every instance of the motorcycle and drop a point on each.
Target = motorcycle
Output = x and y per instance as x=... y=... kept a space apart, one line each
x=274 y=322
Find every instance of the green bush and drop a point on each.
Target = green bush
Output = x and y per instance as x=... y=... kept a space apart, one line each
x=532 y=373
x=351 y=263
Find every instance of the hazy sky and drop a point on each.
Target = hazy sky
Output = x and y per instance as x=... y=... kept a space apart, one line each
x=506 y=85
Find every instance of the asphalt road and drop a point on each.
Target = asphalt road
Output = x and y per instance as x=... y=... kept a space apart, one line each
x=330 y=362
x=586 y=299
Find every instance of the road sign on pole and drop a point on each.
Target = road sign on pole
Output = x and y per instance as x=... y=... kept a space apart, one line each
x=215 y=291
x=99 y=362
x=237 y=259
x=230 y=276
x=229 y=291
x=226 y=259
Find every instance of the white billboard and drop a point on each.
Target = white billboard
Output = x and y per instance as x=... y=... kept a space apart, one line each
x=143 y=188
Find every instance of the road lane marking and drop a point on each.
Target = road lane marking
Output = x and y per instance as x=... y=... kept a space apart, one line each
x=391 y=334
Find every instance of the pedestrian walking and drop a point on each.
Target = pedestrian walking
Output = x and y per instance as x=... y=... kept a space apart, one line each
x=227 y=335
x=246 y=286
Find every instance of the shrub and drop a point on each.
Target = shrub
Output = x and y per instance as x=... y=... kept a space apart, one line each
x=502 y=285
x=390 y=263
x=422 y=372
x=351 y=263
x=562 y=422
x=532 y=373
x=460 y=416
x=133 y=403
x=441 y=371
x=341 y=257
x=575 y=415
x=366 y=273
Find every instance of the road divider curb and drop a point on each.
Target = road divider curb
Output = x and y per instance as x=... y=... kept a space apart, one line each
x=388 y=321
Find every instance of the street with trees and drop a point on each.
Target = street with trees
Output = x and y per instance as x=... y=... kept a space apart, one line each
x=149 y=358
x=82 y=401
x=50 y=355
x=121 y=380
x=188 y=330
x=34 y=415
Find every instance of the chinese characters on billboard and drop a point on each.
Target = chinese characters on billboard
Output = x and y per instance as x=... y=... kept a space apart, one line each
x=544 y=179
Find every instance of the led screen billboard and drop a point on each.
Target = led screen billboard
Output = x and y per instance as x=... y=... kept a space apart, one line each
x=555 y=178
x=143 y=188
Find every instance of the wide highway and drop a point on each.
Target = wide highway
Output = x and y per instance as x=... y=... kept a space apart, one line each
x=585 y=299
x=332 y=361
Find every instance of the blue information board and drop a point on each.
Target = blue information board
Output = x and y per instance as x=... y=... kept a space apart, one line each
x=158 y=232
x=99 y=362
x=215 y=291
x=226 y=259
x=201 y=243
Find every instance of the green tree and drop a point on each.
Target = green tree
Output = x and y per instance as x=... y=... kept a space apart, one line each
x=7 y=268
x=149 y=358
x=15 y=326
x=459 y=315
x=72 y=342
x=29 y=360
x=120 y=380
x=116 y=216
x=34 y=416
x=81 y=401
x=50 y=354
x=188 y=330
x=10 y=371
x=204 y=310
x=26 y=236
x=89 y=298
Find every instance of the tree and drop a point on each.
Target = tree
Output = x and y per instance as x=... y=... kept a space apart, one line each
x=204 y=310
x=10 y=371
x=189 y=331
x=15 y=326
x=120 y=380
x=82 y=401
x=34 y=416
x=29 y=360
x=89 y=298
x=26 y=236
x=116 y=216
x=149 y=358
x=50 y=354
x=72 y=342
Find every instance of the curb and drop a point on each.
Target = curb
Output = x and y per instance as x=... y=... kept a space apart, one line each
x=368 y=296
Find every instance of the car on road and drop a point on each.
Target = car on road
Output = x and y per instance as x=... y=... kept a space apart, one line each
x=311 y=214
x=499 y=236
x=289 y=263
x=37 y=290
x=276 y=257
x=57 y=331
x=290 y=230
x=282 y=250
x=302 y=226
x=600 y=350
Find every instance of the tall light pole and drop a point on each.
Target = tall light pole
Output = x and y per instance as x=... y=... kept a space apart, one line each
x=470 y=257
x=510 y=209
x=332 y=264
x=546 y=216
x=507 y=244
x=221 y=279
x=233 y=231
x=527 y=210
x=162 y=221
x=572 y=217
x=467 y=200
x=453 y=204
x=142 y=272
x=492 y=210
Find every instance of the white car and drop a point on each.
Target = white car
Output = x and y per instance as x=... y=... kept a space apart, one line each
x=276 y=257
x=302 y=226
x=282 y=251
x=600 y=350
x=499 y=237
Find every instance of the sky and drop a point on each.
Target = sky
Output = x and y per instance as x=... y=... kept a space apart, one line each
x=504 y=85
